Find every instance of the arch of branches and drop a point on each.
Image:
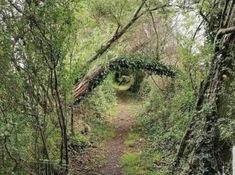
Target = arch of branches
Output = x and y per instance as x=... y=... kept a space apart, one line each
x=97 y=74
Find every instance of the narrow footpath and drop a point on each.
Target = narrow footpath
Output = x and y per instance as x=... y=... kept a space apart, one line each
x=114 y=147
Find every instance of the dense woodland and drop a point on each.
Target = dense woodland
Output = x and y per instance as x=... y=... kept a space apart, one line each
x=117 y=87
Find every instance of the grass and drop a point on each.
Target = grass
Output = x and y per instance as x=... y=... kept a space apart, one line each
x=131 y=139
x=101 y=128
x=135 y=163
x=131 y=159
x=101 y=131
x=130 y=163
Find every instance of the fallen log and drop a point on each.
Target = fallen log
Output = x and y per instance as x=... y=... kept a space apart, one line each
x=99 y=72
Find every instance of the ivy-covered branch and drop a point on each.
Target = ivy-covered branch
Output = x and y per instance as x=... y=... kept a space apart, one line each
x=98 y=73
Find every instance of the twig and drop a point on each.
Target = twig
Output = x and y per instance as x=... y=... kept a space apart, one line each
x=226 y=31
x=15 y=6
x=155 y=29
x=230 y=11
x=118 y=33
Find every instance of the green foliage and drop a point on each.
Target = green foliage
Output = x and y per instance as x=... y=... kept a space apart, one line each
x=96 y=108
x=79 y=142
x=44 y=40
x=130 y=164
x=133 y=63
x=131 y=139
x=31 y=39
x=163 y=121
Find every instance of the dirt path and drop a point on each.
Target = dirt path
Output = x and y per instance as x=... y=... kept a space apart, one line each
x=114 y=148
x=105 y=158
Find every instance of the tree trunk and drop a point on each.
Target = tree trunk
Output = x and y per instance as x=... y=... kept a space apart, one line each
x=98 y=73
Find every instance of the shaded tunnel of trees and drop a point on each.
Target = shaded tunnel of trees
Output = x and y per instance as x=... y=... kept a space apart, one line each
x=98 y=73
x=46 y=45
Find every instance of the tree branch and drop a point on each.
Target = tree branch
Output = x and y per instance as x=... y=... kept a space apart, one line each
x=99 y=72
x=119 y=33
x=226 y=31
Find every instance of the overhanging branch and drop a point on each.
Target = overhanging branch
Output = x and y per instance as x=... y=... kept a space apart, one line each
x=121 y=31
x=226 y=31
x=99 y=72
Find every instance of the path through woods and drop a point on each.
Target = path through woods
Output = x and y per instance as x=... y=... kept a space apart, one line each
x=114 y=147
x=105 y=159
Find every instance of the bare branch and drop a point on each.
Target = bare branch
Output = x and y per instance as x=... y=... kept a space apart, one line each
x=16 y=7
x=226 y=31
x=118 y=33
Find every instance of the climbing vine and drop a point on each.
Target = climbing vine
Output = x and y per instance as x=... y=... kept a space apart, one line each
x=96 y=75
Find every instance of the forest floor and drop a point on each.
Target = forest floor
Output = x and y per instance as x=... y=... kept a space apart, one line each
x=105 y=159
x=115 y=147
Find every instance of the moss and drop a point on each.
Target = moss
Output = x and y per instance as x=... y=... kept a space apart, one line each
x=131 y=139
x=130 y=163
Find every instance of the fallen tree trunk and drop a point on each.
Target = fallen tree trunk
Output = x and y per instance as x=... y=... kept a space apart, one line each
x=98 y=73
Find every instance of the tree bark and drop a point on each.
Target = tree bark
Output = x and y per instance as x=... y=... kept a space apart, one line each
x=98 y=73
x=204 y=158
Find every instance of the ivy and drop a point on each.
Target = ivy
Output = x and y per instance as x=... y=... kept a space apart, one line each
x=133 y=63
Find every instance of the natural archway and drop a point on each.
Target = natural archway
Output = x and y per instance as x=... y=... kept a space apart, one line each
x=99 y=72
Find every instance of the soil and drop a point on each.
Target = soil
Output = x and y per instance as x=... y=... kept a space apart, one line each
x=114 y=148
x=105 y=159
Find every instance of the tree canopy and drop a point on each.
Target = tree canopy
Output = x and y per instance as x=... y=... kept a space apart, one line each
x=117 y=86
